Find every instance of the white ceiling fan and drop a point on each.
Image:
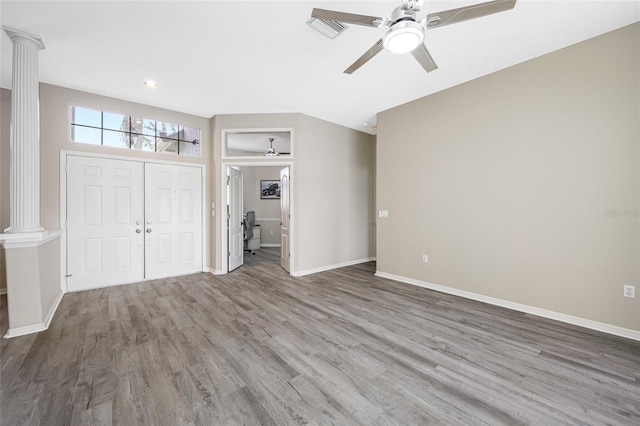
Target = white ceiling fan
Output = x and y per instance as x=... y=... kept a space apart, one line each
x=406 y=31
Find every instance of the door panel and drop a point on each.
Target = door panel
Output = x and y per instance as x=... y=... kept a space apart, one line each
x=104 y=201
x=285 y=250
x=234 y=220
x=173 y=206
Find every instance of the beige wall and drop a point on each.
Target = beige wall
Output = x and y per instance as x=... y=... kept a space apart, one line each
x=333 y=188
x=54 y=137
x=334 y=194
x=522 y=185
x=5 y=122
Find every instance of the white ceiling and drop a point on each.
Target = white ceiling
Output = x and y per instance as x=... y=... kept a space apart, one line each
x=227 y=57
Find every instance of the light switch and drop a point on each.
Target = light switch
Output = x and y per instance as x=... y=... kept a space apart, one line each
x=383 y=213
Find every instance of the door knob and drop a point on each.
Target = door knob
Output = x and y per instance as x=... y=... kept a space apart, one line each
x=138 y=231
x=137 y=222
x=148 y=230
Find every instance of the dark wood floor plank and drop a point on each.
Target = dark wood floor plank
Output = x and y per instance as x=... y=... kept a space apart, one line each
x=341 y=347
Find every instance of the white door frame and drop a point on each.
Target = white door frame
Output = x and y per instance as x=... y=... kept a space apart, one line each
x=222 y=216
x=63 y=202
x=235 y=229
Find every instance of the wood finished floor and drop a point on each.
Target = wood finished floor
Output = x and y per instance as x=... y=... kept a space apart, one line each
x=343 y=347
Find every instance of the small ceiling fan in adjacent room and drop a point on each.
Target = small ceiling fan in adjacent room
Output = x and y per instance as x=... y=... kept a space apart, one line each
x=271 y=151
x=406 y=31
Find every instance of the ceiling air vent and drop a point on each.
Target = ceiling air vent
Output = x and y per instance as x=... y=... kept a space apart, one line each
x=328 y=27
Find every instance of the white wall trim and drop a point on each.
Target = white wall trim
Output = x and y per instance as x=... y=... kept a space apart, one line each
x=270 y=245
x=216 y=271
x=223 y=145
x=53 y=309
x=569 y=319
x=22 y=331
x=3 y=291
x=36 y=328
x=268 y=219
x=334 y=266
x=23 y=240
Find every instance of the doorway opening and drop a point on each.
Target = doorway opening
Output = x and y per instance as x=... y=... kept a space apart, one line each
x=258 y=215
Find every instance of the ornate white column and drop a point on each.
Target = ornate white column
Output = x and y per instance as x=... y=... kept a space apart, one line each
x=25 y=134
x=32 y=254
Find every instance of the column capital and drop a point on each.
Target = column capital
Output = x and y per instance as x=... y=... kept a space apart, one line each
x=19 y=36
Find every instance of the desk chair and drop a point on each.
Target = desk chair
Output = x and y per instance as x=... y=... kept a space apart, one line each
x=249 y=222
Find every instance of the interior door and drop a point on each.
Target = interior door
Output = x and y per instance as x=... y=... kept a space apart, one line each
x=105 y=242
x=173 y=220
x=235 y=241
x=285 y=216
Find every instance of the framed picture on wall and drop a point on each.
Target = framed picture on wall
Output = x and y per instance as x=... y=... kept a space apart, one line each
x=270 y=189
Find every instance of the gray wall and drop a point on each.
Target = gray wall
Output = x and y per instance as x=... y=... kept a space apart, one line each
x=522 y=185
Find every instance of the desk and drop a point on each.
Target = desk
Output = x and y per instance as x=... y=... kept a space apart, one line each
x=254 y=243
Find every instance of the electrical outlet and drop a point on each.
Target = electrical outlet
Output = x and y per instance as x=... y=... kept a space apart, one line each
x=630 y=291
x=425 y=258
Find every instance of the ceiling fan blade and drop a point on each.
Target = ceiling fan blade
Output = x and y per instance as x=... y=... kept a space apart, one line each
x=453 y=16
x=348 y=18
x=422 y=55
x=373 y=51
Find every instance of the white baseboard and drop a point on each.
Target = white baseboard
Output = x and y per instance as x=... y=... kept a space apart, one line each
x=329 y=267
x=270 y=245
x=216 y=271
x=36 y=328
x=569 y=319
x=23 y=331
x=53 y=309
x=3 y=291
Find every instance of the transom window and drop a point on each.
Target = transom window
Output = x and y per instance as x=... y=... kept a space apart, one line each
x=96 y=127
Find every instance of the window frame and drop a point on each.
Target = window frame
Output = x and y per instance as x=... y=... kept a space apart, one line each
x=132 y=131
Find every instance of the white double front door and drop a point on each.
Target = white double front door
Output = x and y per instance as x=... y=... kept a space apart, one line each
x=127 y=221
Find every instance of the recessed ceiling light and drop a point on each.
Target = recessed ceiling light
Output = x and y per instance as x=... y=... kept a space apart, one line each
x=151 y=83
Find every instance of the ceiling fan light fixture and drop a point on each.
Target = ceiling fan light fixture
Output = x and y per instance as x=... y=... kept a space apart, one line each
x=403 y=37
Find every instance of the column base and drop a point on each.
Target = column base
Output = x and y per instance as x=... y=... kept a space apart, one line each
x=27 y=239
x=33 y=279
x=22 y=230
